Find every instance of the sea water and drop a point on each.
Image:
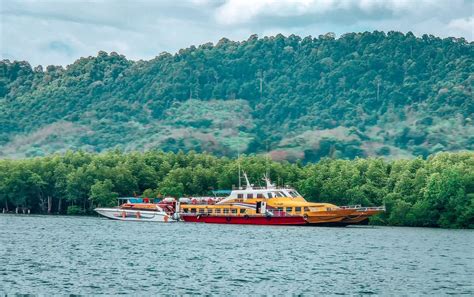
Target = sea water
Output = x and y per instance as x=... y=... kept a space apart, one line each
x=91 y=255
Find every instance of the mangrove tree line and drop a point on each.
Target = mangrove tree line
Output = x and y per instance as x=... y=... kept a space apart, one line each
x=437 y=192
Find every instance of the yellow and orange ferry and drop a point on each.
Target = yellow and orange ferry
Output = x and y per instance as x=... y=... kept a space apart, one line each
x=270 y=205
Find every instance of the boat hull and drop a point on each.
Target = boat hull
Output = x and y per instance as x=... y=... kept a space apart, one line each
x=245 y=220
x=134 y=215
x=327 y=217
x=360 y=217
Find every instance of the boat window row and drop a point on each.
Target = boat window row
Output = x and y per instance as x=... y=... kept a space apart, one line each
x=214 y=210
x=291 y=209
x=294 y=194
x=237 y=211
x=273 y=194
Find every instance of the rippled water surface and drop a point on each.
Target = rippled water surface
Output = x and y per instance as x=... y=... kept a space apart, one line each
x=86 y=255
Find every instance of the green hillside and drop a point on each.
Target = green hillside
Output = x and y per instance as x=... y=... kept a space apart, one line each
x=363 y=94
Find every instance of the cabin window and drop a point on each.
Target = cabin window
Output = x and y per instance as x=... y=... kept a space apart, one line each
x=193 y=210
x=240 y=195
x=226 y=210
x=297 y=209
x=218 y=210
x=185 y=210
x=280 y=208
x=201 y=210
x=269 y=195
x=249 y=195
x=259 y=195
x=242 y=210
x=289 y=209
x=306 y=209
x=209 y=210
x=234 y=211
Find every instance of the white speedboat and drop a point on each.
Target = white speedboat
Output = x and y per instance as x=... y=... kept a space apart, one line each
x=138 y=209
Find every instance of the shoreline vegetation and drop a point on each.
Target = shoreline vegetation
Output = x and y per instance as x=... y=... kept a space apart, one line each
x=434 y=192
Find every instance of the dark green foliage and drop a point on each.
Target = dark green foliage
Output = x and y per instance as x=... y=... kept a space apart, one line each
x=436 y=192
x=411 y=95
x=75 y=210
x=102 y=193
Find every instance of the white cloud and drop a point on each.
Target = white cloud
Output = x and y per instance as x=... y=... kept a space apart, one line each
x=60 y=31
x=465 y=26
x=242 y=11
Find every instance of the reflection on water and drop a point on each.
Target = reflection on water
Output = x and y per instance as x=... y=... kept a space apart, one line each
x=76 y=255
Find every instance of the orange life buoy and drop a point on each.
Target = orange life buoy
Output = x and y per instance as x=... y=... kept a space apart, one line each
x=165 y=218
x=138 y=214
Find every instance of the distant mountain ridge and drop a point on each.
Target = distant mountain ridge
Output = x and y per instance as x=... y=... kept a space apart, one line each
x=362 y=94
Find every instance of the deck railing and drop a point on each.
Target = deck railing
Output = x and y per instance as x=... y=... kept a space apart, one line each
x=357 y=206
x=360 y=208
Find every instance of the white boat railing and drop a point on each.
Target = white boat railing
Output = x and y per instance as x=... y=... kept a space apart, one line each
x=382 y=208
x=365 y=208
x=357 y=206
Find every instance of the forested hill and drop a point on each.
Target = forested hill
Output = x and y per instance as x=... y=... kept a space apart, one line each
x=362 y=94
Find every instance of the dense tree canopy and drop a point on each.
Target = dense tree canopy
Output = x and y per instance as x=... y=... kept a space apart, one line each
x=362 y=94
x=438 y=191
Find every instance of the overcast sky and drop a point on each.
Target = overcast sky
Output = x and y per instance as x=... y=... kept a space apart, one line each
x=60 y=31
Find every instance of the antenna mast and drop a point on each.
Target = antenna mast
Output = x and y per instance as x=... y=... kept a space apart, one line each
x=238 y=161
x=240 y=178
x=268 y=162
x=249 y=185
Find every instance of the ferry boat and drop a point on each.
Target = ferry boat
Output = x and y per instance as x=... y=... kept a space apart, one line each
x=139 y=209
x=268 y=205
